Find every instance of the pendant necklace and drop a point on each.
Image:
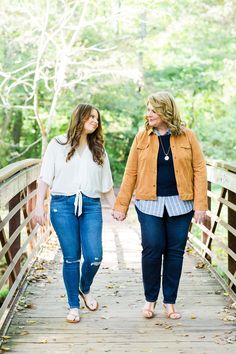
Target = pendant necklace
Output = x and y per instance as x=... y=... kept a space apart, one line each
x=165 y=153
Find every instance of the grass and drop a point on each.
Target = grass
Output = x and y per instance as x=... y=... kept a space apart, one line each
x=3 y=293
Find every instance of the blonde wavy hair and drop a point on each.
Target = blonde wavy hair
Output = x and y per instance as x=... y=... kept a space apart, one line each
x=165 y=106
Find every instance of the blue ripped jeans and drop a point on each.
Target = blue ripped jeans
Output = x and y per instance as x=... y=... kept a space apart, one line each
x=78 y=235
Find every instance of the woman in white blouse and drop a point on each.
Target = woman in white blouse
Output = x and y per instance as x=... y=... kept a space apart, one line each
x=76 y=169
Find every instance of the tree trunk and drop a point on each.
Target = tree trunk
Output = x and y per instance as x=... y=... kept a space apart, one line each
x=44 y=143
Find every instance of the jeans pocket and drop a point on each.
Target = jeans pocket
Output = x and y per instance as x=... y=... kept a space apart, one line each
x=58 y=197
x=57 y=202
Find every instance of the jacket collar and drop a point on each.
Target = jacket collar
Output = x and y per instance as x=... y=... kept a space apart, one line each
x=150 y=130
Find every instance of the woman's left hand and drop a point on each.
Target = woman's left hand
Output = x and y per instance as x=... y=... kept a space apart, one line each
x=199 y=216
x=118 y=215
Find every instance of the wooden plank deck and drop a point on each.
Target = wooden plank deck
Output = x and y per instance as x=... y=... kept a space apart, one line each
x=38 y=325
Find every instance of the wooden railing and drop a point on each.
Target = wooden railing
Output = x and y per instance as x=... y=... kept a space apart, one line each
x=19 y=238
x=216 y=242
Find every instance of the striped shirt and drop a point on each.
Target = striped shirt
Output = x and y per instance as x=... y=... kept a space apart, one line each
x=174 y=205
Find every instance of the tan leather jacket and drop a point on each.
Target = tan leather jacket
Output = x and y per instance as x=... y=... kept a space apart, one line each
x=141 y=170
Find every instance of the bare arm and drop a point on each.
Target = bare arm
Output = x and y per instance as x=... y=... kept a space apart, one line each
x=40 y=215
x=128 y=184
x=109 y=197
x=200 y=181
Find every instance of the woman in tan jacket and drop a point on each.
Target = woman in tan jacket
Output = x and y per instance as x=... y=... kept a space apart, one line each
x=167 y=171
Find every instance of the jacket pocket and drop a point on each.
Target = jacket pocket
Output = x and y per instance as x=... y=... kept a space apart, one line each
x=143 y=152
x=186 y=151
x=142 y=146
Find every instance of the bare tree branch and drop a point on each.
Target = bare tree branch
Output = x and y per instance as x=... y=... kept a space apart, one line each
x=62 y=66
x=27 y=149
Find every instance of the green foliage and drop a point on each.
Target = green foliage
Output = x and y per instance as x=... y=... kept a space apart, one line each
x=3 y=293
x=124 y=51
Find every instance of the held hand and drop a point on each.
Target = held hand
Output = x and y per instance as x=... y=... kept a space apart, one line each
x=39 y=216
x=118 y=215
x=199 y=216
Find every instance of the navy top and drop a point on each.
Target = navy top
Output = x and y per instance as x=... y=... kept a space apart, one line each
x=173 y=204
x=166 y=182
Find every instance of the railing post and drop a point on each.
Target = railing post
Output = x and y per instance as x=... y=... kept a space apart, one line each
x=207 y=223
x=29 y=208
x=13 y=225
x=231 y=237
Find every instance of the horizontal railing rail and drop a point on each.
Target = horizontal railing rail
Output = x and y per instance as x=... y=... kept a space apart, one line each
x=20 y=238
x=215 y=239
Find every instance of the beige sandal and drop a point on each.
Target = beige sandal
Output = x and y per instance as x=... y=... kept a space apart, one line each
x=89 y=301
x=147 y=311
x=171 y=313
x=73 y=316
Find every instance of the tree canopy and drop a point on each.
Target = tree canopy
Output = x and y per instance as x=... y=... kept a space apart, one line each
x=114 y=53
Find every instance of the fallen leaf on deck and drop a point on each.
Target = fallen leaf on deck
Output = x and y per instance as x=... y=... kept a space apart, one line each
x=200 y=265
x=168 y=327
x=159 y=324
x=193 y=316
x=30 y=306
x=230 y=341
x=31 y=321
x=229 y=318
x=232 y=338
x=218 y=292
x=24 y=333
x=220 y=341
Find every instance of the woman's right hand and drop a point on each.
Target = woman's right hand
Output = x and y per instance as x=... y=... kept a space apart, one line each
x=39 y=215
x=118 y=215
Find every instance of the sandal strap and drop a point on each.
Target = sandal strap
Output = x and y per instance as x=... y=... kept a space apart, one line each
x=73 y=315
x=174 y=313
x=147 y=312
x=89 y=300
x=169 y=314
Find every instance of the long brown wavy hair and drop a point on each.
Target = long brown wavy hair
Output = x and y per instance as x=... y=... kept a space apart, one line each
x=165 y=106
x=95 y=140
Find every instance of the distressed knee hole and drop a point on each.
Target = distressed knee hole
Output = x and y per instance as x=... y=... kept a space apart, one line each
x=71 y=261
x=96 y=262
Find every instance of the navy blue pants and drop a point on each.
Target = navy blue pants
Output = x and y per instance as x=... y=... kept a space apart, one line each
x=163 y=243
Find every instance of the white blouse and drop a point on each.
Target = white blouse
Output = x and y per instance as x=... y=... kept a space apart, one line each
x=79 y=175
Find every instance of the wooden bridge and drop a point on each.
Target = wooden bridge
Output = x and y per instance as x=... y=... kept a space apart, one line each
x=33 y=312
